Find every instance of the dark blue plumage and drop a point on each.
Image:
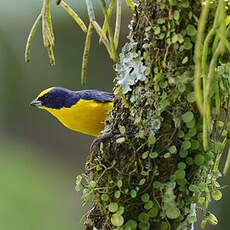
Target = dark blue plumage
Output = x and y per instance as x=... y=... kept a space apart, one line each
x=59 y=97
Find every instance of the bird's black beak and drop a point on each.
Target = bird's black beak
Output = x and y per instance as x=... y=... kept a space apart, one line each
x=36 y=103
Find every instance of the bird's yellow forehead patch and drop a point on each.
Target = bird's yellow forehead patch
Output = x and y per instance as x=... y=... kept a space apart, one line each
x=44 y=92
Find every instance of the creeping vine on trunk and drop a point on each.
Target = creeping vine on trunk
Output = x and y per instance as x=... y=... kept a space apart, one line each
x=149 y=169
x=158 y=158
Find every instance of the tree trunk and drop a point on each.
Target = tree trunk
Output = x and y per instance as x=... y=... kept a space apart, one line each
x=145 y=170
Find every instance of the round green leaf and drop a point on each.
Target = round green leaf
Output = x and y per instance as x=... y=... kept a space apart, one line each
x=195 y=144
x=161 y=21
x=189 y=160
x=181 y=87
x=131 y=225
x=113 y=207
x=183 y=153
x=145 y=155
x=173 y=149
x=117 y=220
x=172 y=212
x=192 y=132
x=216 y=194
x=117 y=194
x=148 y=205
x=187 y=44
x=144 y=226
x=151 y=140
x=164 y=226
x=157 y=184
x=153 y=155
x=157 y=30
x=181 y=165
x=143 y=217
x=176 y=15
x=199 y=159
x=145 y=197
x=186 y=145
x=191 y=30
x=167 y=155
x=172 y=2
x=188 y=117
x=105 y=197
x=180 y=134
x=180 y=174
x=119 y=183
x=191 y=124
x=153 y=212
x=191 y=97
x=120 y=210
x=133 y=193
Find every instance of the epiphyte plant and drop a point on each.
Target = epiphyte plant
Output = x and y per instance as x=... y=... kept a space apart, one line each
x=106 y=35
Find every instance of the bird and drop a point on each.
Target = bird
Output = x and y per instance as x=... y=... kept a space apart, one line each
x=82 y=111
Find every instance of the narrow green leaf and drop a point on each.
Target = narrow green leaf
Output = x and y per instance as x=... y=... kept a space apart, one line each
x=74 y=15
x=47 y=30
x=90 y=9
x=111 y=37
x=227 y=163
x=49 y=21
x=31 y=36
x=109 y=12
x=51 y=55
x=85 y=57
x=105 y=40
x=197 y=56
x=118 y=24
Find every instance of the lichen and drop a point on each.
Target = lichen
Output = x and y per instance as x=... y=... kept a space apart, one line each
x=130 y=68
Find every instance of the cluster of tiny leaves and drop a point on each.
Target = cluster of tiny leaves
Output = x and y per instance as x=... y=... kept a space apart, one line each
x=167 y=174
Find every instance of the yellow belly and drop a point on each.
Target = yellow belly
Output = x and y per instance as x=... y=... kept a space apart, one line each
x=87 y=116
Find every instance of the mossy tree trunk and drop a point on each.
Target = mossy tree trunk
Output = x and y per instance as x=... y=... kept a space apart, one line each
x=148 y=170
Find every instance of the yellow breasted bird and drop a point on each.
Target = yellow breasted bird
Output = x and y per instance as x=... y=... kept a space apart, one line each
x=82 y=111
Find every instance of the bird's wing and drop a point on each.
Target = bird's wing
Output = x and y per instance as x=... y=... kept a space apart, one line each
x=96 y=95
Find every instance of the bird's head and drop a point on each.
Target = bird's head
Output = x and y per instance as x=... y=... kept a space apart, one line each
x=54 y=98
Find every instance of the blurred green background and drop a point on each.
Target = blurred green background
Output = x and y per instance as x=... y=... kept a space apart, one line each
x=39 y=158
